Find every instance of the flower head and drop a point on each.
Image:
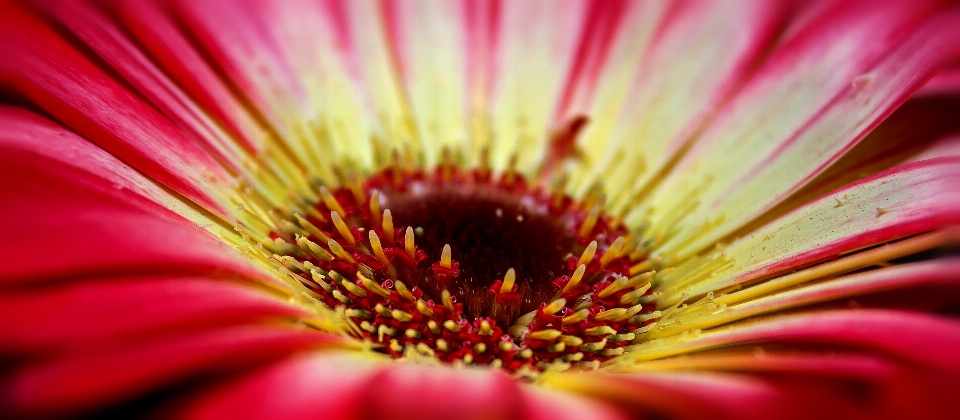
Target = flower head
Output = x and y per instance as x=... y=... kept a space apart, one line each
x=497 y=209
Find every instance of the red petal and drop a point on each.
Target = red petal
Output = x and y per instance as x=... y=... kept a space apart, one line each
x=64 y=318
x=101 y=376
x=71 y=210
x=48 y=71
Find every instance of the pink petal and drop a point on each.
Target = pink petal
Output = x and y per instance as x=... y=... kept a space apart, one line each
x=919 y=339
x=354 y=386
x=98 y=31
x=169 y=47
x=64 y=318
x=72 y=210
x=236 y=39
x=832 y=365
x=327 y=385
x=681 y=395
x=701 y=394
x=47 y=70
x=89 y=379
x=814 y=97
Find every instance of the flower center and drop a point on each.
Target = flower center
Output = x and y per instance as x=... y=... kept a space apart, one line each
x=467 y=267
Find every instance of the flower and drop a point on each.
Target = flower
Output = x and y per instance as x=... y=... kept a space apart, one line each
x=483 y=209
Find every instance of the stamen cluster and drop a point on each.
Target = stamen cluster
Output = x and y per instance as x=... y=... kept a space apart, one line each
x=573 y=287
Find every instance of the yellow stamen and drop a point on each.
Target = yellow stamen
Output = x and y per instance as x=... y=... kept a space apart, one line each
x=446 y=260
x=342 y=228
x=612 y=252
x=401 y=315
x=545 y=335
x=554 y=306
x=588 y=253
x=610 y=314
x=424 y=309
x=408 y=243
x=508 y=281
x=404 y=291
x=353 y=183
x=377 y=248
x=373 y=286
x=311 y=229
x=314 y=249
x=576 y=317
x=375 y=207
x=331 y=202
x=590 y=222
x=575 y=279
x=614 y=287
x=646 y=265
x=452 y=326
x=447 y=300
x=340 y=252
x=388 y=225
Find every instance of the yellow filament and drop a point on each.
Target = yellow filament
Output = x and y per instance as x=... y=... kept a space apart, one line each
x=447 y=301
x=446 y=260
x=612 y=252
x=508 y=281
x=408 y=243
x=373 y=286
x=588 y=253
x=342 y=228
x=353 y=183
x=575 y=279
x=375 y=207
x=590 y=222
x=311 y=229
x=331 y=201
x=554 y=306
x=646 y=265
x=340 y=252
x=388 y=225
x=377 y=248
x=545 y=334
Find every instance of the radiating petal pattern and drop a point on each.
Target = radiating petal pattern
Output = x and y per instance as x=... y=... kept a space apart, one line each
x=754 y=207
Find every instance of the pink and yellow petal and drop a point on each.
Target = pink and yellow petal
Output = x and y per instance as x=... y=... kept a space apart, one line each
x=814 y=97
x=65 y=197
x=927 y=285
x=707 y=54
x=900 y=202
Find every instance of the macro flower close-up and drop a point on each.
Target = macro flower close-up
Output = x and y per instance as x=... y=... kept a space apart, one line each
x=479 y=209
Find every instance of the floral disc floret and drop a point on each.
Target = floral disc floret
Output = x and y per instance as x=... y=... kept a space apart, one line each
x=467 y=267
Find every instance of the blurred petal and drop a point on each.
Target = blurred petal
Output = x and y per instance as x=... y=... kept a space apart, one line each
x=62 y=195
x=64 y=318
x=356 y=386
x=916 y=338
x=50 y=72
x=102 y=34
x=93 y=377
x=929 y=285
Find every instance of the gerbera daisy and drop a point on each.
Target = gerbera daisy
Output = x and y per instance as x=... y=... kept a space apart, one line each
x=478 y=209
